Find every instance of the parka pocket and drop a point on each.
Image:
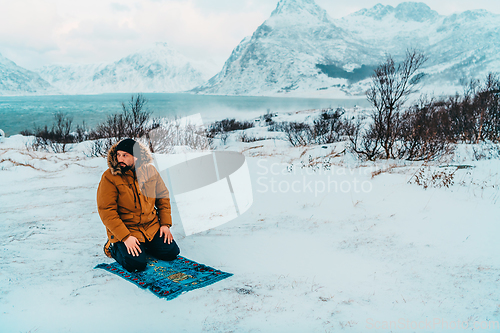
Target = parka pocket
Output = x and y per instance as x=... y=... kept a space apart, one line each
x=125 y=192
x=127 y=217
x=148 y=188
x=127 y=196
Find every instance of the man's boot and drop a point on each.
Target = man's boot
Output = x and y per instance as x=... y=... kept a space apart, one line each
x=108 y=247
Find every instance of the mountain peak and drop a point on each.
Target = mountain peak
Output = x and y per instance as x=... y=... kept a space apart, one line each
x=158 y=52
x=414 y=11
x=294 y=7
x=377 y=12
x=405 y=11
x=476 y=14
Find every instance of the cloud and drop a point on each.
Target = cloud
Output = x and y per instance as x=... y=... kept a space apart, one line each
x=32 y=29
x=119 y=7
x=193 y=30
x=28 y=29
x=95 y=41
x=98 y=30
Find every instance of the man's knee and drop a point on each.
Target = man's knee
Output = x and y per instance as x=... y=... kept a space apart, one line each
x=129 y=262
x=168 y=251
x=134 y=264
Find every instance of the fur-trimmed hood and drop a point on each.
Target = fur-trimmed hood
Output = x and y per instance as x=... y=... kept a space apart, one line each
x=140 y=151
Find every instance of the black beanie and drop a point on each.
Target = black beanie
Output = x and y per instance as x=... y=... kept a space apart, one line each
x=127 y=145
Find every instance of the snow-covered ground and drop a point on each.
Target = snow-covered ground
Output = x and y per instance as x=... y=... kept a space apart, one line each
x=328 y=244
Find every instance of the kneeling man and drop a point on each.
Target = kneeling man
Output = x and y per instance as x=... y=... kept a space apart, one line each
x=134 y=205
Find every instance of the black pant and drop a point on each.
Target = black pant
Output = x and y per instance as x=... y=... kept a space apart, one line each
x=156 y=247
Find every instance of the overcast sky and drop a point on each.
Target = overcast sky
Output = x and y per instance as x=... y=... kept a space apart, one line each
x=35 y=32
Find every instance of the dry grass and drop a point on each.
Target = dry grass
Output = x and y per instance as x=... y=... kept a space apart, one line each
x=248 y=148
x=19 y=163
x=426 y=178
x=383 y=170
x=315 y=162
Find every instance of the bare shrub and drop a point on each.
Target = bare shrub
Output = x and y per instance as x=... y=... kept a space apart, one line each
x=489 y=103
x=390 y=88
x=220 y=129
x=267 y=118
x=244 y=137
x=276 y=126
x=422 y=132
x=223 y=137
x=328 y=127
x=81 y=132
x=298 y=134
x=486 y=151
x=54 y=139
x=363 y=140
x=475 y=115
x=229 y=125
x=172 y=133
x=134 y=121
x=137 y=117
x=480 y=110
x=99 y=148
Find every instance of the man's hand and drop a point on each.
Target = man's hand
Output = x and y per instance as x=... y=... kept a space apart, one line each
x=132 y=245
x=164 y=230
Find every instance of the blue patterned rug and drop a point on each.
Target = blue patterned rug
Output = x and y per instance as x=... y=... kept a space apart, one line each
x=169 y=279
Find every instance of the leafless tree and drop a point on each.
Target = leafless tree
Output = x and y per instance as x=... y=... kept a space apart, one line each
x=391 y=85
x=487 y=101
x=136 y=116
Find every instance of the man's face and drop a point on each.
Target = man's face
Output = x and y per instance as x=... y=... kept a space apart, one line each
x=125 y=160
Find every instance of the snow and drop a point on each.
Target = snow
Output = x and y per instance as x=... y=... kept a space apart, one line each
x=375 y=248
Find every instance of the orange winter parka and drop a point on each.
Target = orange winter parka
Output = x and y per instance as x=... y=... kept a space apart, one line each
x=133 y=203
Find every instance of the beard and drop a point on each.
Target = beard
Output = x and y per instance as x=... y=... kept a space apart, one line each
x=125 y=168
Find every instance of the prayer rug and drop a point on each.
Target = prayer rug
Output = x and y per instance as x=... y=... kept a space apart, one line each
x=169 y=279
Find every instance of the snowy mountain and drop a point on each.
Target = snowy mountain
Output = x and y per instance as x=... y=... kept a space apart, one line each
x=282 y=54
x=15 y=80
x=300 y=50
x=156 y=69
x=463 y=45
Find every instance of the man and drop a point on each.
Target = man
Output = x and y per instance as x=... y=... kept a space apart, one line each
x=134 y=205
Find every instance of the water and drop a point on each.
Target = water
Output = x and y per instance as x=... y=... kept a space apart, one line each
x=24 y=112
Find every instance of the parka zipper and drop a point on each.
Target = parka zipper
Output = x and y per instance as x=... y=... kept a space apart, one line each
x=133 y=192
x=130 y=185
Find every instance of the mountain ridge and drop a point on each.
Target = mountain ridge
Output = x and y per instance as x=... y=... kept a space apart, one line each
x=16 y=80
x=405 y=11
x=333 y=56
x=299 y=50
x=157 y=68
